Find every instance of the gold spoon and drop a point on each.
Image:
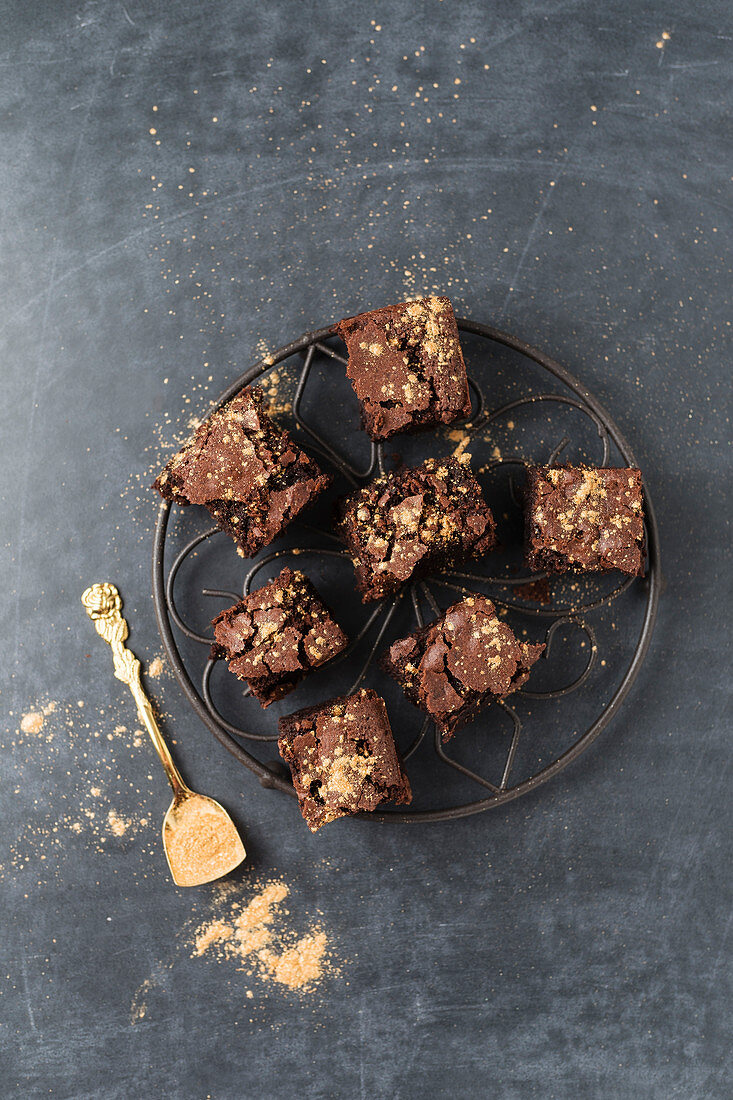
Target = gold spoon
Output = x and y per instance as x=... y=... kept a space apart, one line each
x=200 y=839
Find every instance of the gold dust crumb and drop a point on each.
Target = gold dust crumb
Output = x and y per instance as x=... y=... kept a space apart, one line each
x=118 y=826
x=156 y=667
x=33 y=720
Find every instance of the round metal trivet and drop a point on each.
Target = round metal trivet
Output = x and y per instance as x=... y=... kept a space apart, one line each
x=319 y=346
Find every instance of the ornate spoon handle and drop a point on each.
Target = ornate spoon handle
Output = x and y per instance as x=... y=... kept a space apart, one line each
x=104 y=607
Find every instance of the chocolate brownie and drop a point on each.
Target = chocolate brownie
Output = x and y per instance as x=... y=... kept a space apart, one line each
x=276 y=635
x=414 y=521
x=589 y=519
x=249 y=473
x=454 y=667
x=342 y=757
x=406 y=366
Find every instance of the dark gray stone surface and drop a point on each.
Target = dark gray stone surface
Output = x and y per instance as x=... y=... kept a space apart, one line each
x=560 y=174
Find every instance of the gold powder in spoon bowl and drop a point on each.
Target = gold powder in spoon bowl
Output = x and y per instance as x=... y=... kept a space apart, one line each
x=200 y=847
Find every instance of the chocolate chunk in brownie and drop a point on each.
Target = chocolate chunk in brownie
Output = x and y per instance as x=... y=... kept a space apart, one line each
x=342 y=757
x=413 y=521
x=589 y=519
x=248 y=472
x=454 y=667
x=406 y=366
x=276 y=635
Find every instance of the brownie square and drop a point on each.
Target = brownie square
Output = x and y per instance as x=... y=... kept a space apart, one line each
x=248 y=472
x=276 y=635
x=342 y=757
x=406 y=366
x=589 y=519
x=452 y=668
x=413 y=521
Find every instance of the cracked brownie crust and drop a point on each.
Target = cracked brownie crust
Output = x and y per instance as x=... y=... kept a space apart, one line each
x=454 y=667
x=406 y=366
x=275 y=636
x=584 y=518
x=343 y=758
x=246 y=471
x=414 y=521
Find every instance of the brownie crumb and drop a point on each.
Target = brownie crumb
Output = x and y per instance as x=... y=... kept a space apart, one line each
x=343 y=758
x=276 y=635
x=455 y=666
x=406 y=366
x=536 y=591
x=250 y=474
x=413 y=521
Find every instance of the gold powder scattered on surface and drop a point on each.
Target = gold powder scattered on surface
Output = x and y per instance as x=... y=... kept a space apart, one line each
x=461 y=448
x=93 y=749
x=118 y=825
x=301 y=965
x=139 y=1008
x=156 y=667
x=158 y=979
x=259 y=937
x=259 y=910
x=214 y=932
x=456 y=435
x=32 y=722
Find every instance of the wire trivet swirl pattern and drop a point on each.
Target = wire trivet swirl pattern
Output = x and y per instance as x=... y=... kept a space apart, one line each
x=426 y=597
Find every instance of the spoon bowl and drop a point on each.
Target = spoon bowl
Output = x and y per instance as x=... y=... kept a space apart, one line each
x=200 y=840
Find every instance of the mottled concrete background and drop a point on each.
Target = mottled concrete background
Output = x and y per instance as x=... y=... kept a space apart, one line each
x=184 y=185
